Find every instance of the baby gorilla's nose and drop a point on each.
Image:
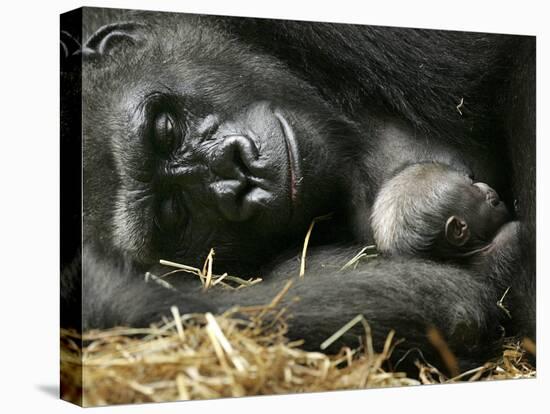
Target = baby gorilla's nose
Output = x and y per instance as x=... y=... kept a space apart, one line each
x=490 y=194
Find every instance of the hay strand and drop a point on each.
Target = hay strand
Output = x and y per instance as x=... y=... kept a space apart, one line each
x=306 y=241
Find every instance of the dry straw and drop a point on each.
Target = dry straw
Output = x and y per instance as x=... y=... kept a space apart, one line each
x=202 y=356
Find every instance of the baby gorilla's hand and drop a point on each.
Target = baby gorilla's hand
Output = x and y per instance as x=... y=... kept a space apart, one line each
x=508 y=234
x=503 y=258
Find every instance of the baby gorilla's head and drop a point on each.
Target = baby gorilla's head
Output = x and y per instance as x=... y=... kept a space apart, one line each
x=434 y=211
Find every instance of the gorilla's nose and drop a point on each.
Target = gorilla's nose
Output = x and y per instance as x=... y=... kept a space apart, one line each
x=235 y=158
x=490 y=194
x=237 y=188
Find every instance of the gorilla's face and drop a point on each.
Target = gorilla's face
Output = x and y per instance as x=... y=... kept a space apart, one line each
x=192 y=142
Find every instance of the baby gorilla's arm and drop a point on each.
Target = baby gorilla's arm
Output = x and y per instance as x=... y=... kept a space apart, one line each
x=501 y=260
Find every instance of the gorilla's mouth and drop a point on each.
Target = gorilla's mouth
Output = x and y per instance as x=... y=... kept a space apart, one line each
x=293 y=156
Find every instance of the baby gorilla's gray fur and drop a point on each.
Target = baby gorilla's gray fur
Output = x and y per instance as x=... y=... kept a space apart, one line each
x=411 y=217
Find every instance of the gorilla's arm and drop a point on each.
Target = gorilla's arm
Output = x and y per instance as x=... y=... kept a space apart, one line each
x=115 y=294
x=407 y=296
x=509 y=265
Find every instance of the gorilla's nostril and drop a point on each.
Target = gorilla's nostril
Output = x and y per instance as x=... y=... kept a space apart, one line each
x=240 y=163
x=234 y=158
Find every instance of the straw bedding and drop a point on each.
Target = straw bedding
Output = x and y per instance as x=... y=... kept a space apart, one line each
x=242 y=352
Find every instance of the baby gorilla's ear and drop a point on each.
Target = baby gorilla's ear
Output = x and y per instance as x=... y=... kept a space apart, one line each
x=457 y=232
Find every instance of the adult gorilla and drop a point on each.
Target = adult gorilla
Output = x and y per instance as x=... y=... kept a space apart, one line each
x=230 y=133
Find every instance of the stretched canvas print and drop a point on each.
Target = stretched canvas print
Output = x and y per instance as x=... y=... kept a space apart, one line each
x=258 y=206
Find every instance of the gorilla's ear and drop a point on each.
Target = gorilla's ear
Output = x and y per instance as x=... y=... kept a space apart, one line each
x=110 y=38
x=457 y=231
x=69 y=44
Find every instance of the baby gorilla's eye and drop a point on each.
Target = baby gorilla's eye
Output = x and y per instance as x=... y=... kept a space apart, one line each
x=492 y=197
x=165 y=134
x=494 y=201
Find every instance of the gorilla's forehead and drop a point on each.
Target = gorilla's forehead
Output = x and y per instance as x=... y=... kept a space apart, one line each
x=177 y=38
x=188 y=55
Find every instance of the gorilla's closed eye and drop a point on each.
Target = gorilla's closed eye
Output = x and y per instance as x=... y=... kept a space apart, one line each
x=165 y=119
x=165 y=133
x=171 y=215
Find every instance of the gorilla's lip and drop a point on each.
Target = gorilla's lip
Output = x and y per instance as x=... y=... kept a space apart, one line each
x=293 y=155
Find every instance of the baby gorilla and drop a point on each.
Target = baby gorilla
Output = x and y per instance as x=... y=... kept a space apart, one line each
x=433 y=211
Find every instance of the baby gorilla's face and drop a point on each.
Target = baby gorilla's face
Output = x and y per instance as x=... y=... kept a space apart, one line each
x=482 y=210
x=430 y=209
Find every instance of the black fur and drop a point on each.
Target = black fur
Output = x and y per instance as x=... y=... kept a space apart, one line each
x=367 y=101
